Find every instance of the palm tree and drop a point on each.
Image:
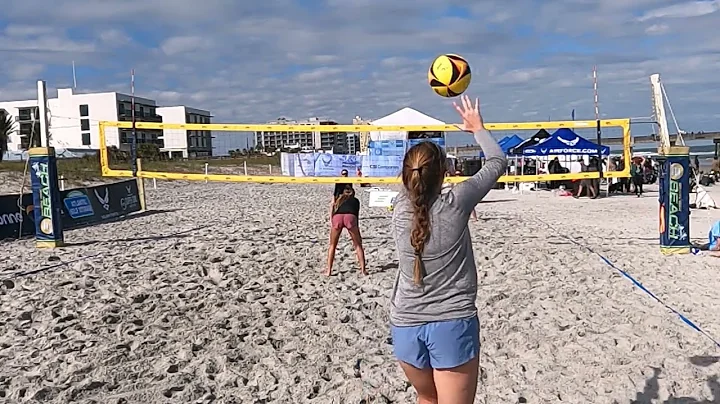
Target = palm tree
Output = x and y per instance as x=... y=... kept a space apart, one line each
x=7 y=126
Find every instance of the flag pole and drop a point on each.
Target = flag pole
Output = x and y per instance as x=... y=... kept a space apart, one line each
x=74 y=76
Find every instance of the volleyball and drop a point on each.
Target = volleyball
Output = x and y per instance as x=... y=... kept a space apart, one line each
x=449 y=75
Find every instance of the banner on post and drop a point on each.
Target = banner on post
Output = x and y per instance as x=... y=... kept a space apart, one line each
x=674 y=200
x=79 y=207
x=46 y=197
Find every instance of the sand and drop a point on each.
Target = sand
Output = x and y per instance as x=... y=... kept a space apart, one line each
x=217 y=296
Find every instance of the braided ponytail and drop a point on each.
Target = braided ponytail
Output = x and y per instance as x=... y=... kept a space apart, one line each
x=422 y=175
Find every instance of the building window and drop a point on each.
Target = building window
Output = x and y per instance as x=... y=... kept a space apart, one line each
x=84 y=124
x=86 y=139
x=84 y=111
x=25 y=114
x=26 y=128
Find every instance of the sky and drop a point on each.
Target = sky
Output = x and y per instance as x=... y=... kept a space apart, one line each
x=250 y=62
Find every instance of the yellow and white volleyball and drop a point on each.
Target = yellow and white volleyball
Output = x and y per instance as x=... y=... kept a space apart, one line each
x=449 y=75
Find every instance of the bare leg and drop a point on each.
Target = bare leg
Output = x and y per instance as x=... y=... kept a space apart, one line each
x=457 y=385
x=334 y=238
x=423 y=382
x=579 y=192
x=359 y=251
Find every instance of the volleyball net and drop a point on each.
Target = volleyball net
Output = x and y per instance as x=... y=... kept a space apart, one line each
x=583 y=130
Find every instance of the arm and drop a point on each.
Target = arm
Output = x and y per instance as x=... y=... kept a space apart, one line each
x=469 y=193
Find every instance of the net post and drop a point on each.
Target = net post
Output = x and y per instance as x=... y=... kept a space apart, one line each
x=141 y=185
x=133 y=143
x=44 y=179
x=42 y=114
x=598 y=130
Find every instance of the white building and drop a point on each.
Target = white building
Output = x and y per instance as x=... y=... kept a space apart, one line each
x=74 y=119
x=353 y=143
x=186 y=143
x=329 y=141
x=363 y=137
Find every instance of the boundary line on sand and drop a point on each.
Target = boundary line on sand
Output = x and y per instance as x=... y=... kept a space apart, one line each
x=639 y=285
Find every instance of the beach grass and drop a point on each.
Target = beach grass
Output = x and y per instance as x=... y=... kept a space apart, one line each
x=88 y=168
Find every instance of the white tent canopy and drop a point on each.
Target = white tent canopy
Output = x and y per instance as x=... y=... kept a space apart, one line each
x=405 y=116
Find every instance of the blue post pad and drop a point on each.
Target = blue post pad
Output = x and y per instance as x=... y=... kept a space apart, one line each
x=46 y=198
x=674 y=201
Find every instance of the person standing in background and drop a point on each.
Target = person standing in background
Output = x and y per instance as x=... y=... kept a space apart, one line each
x=636 y=173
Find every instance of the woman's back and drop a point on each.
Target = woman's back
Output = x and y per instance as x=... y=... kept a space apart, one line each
x=349 y=206
x=449 y=284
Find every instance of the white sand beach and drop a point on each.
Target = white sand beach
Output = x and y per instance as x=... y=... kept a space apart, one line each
x=216 y=295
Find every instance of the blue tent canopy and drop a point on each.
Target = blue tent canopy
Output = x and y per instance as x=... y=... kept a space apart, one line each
x=565 y=142
x=507 y=143
x=511 y=142
x=541 y=135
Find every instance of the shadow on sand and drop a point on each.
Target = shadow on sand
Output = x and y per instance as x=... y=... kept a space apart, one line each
x=652 y=386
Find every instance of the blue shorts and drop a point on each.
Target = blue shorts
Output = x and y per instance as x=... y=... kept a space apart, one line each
x=437 y=345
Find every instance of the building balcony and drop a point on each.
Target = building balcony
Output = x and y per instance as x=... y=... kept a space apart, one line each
x=127 y=117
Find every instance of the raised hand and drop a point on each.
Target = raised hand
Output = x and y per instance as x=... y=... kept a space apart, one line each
x=472 y=119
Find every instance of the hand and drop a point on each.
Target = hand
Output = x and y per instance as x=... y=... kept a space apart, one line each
x=472 y=120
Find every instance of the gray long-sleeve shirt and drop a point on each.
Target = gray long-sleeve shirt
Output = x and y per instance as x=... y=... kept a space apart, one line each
x=449 y=287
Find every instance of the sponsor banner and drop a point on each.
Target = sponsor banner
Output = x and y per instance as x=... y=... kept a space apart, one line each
x=327 y=165
x=12 y=216
x=303 y=165
x=106 y=201
x=439 y=140
x=569 y=150
x=675 y=205
x=319 y=164
x=330 y=165
x=387 y=148
x=382 y=166
x=79 y=207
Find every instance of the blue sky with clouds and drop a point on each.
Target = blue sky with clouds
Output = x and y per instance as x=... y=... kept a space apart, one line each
x=250 y=61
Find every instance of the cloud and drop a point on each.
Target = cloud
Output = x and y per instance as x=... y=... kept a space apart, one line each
x=184 y=44
x=683 y=10
x=256 y=61
x=657 y=29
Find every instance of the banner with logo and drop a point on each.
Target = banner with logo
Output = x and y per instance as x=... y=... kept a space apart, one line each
x=331 y=165
x=319 y=164
x=303 y=165
x=83 y=206
x=79 y=207
x=382 y=166
x=386 y=148
x=675 y=205
x=46 y=197
x=13 y=217
x=437 y=140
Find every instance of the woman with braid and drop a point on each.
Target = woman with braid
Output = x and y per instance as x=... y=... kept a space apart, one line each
x=434 y=323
